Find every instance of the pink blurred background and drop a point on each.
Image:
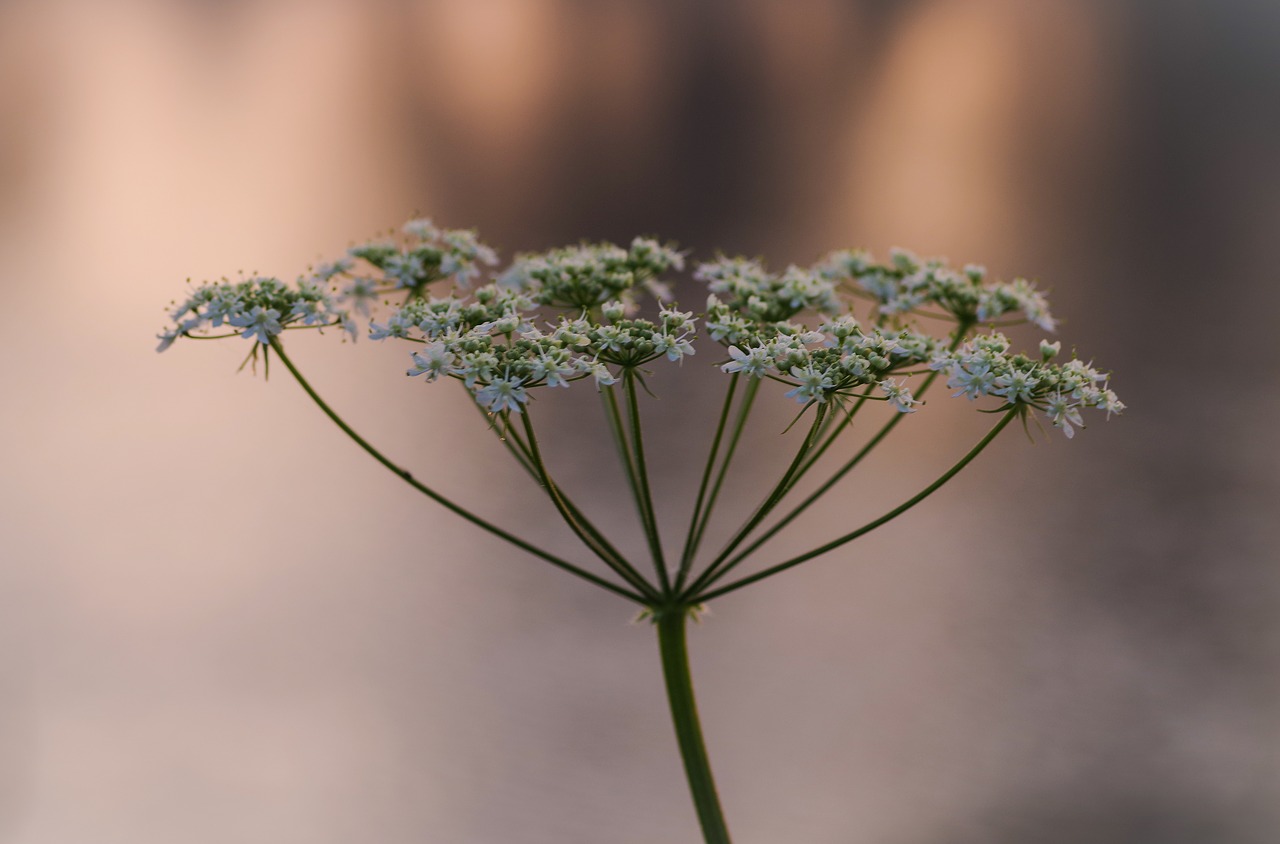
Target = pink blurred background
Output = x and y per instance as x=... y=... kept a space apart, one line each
x=220 y=622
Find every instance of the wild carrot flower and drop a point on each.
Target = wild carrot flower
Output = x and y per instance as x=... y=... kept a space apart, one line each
x=844 y=332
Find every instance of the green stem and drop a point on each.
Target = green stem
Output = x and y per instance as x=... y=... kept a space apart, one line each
x=649 y=517
x=590 y=537
x=820 y=491
x=832 y=432
x=735 y=436
x=671 y=624
x=614 y=415
x=686 y=557
x=405 y=476
x=507 y=436
x=868 y=527
x=524 y=455
x=713 y=571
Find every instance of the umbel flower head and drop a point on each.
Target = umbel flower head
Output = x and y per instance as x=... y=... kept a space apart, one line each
x=845 y=328
x=907 y=283
x=834 y=337
x=984 y=367
x=256 y=308
x=427 y=254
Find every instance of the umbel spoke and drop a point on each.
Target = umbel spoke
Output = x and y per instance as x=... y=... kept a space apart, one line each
x=408 y=478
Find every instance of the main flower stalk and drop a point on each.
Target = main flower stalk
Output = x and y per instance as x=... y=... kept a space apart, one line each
x=672 y=623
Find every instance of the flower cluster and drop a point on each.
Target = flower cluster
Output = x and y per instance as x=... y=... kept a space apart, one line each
x=984 y=367
x=500 y=369
x=908 y=283
x=259 y=307
x=492 y=338
x=834 y=360
x=586 y=276
x=429 y=254
x=490 y=308
x=751 y=310
x=750 y=293
x=499 y=354
x=635 y=342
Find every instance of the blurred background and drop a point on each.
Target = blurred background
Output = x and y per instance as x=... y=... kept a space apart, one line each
x=220 y=622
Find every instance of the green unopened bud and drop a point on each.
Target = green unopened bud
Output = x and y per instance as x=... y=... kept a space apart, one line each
x=507 y=324
x=613 y=311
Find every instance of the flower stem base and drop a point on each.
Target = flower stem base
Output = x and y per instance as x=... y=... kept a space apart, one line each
x=672 y=623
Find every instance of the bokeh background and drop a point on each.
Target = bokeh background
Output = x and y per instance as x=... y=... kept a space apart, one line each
x=219 y=622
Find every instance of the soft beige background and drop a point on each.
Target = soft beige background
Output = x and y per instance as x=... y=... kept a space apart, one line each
x=219 y=622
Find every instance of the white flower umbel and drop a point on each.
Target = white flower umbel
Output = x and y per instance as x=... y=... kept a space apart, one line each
x=490 y=339
x=261 y=308
x=983 y=367
x=586 y=276
x=746 y=287
x=846 y=333
x=910 y=284
x=836 y=359
x=426 y=254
